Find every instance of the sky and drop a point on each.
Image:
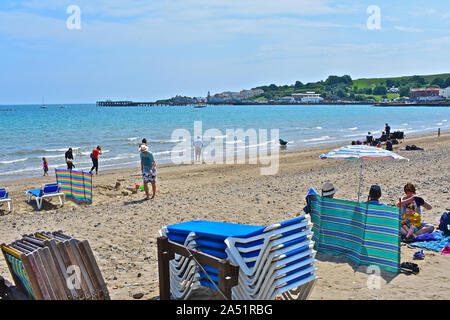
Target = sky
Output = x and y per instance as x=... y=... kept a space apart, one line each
x=147 y=50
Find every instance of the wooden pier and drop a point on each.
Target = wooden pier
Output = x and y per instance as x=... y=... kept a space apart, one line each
x=109 y=103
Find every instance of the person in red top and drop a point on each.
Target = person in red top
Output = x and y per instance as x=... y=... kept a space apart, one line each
x=94 y=156
x=45 y=164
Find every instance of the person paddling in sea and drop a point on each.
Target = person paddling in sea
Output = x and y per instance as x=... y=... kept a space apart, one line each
x=45 y=166
x=148 y=169
x=94 y=156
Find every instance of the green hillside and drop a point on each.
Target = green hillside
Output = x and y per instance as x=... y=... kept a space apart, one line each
x=367 y=83
x=345 y=88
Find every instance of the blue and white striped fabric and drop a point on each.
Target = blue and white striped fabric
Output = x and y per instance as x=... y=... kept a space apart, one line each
x=361 y=152
x=18 y=269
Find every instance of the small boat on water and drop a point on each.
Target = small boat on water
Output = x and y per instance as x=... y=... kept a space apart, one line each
x=43 y=106
x=62 y=107
x=200 y=106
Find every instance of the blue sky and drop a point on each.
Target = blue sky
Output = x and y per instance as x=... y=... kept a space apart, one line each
x=147 y=50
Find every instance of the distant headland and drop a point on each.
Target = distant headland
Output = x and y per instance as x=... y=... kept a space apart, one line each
x=428 y=90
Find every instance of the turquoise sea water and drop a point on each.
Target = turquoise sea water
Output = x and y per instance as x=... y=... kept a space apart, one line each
x=29 y=133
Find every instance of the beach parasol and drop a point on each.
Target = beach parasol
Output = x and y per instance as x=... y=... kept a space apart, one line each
x=361 y=152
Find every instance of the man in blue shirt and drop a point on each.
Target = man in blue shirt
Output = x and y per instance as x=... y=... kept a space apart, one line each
x=375 y=195
x=148 y=168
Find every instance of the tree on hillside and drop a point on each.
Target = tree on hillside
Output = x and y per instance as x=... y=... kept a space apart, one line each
x=418 y=80
x=380 y=90
x=368 y=91
x=340 y=93
x=447 y=83
x=390 y=83
x=404 y=91
x=334 y=80
x=298 y=85
x=438 y=82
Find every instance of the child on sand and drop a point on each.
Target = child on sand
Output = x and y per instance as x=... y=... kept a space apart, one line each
x=411 y=222
x=45 y=165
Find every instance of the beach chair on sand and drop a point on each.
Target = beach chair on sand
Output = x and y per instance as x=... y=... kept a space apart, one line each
x=4 y=197
x=48 y=191
x=274 y=262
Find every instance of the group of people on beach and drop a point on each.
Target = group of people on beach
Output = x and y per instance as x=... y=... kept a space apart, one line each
x=410 y=206
x=148 y=163
x=385 y=137
x=70 y=162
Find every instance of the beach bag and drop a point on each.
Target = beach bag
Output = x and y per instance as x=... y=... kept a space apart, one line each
x=91 y=155
x=444 y=224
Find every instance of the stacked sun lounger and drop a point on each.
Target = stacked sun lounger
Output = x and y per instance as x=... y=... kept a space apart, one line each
x=54 y=266
x=274 y=262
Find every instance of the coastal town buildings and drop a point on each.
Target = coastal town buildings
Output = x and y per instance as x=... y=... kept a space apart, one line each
x=445 y=93
x=228 y=96
x=430 y=94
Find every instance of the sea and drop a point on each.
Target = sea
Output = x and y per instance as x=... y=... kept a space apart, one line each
x=28 y=132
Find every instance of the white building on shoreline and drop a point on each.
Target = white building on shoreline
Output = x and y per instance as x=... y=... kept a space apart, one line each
x=308 y=97
x=445 y=93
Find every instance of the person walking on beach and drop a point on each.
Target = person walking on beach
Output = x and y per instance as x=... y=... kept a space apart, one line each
x=69 y=159
x=198 y=146
x=94 y=156
x=45 y=165
x=148 y=169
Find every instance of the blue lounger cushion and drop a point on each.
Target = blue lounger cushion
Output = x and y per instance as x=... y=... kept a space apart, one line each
x=36 y=192
x=3 y=193
x=216 y=230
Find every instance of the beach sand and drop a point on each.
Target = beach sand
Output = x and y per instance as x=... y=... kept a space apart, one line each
x=122 y=229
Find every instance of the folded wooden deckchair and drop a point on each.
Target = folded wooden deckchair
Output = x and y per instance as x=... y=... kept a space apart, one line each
x=4 y=197
x=54 y=266
x=48 y=191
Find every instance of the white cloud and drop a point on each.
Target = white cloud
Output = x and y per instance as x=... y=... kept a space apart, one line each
x=407 y=29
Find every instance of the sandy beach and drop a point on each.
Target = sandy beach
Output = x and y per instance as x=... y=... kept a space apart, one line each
x=122 y=228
